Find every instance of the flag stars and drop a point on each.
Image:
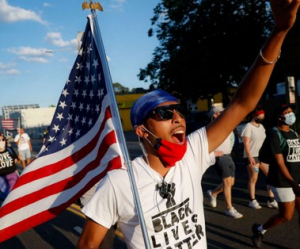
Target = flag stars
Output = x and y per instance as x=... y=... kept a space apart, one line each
x=97 y=109
x=84 y=93
x=83 y=121
x=51 y=139
x=70 y=117
x=93 y=79
x=95 y=64
x=65 y=92
x=89 y=49
x=80 y=106
x=77 y=79
x=91 y=94
x=56 y=128
x=77 y=133
x=79 y=66
x=62 y=104
x=88 y=66
x=90 y=122
x=73 y=105
x=70 y=131
x=100 y=93
x=86 y=80
x=60 y=116
x=88 y=107
x=99 y=77
x=76 y=119
x=63 y=142
x=68 y=81
x=76 y=92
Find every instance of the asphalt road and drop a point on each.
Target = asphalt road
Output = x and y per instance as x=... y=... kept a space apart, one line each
x=222 y=231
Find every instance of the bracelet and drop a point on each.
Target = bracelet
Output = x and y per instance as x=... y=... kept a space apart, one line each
x=269 y=62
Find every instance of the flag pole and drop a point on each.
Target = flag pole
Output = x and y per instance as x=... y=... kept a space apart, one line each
x=120 y=134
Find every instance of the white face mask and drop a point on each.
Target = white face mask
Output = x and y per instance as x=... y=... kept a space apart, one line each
x=290 y=118
x=2 y=145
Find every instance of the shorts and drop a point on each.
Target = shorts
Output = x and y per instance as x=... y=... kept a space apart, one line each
x=225 y=166
x=283 y=194
x=25 y=154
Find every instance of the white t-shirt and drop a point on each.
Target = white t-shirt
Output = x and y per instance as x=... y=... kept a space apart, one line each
x=227 y=145
x=257 y=135
x=23 y=144
x=170 y=223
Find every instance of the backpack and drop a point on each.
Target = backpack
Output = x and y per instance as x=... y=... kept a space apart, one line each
x=265 y=151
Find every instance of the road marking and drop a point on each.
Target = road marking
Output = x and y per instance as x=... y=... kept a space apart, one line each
x=75 y=209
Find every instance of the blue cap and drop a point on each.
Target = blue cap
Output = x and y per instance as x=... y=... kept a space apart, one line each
x=147 y=103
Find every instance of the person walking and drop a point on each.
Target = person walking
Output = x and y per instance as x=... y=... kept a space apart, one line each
x=22 y=140
x=253 y=136
x=45 y=133
x=226 y=169
x=284 y=172
x=8 y=168
x=169 y=173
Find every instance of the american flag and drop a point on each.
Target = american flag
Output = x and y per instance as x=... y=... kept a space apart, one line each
x=10 y=124
x=81 y=146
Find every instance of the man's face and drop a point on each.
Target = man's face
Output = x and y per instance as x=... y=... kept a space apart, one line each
x=171 y=126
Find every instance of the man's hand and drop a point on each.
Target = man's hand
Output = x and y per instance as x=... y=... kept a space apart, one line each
x=284 y=12
x=252 y=160
x=296 y=189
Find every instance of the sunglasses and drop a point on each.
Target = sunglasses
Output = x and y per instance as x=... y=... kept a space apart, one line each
x=166 y=112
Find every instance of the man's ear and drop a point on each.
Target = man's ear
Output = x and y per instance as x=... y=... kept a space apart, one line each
x=141 y=131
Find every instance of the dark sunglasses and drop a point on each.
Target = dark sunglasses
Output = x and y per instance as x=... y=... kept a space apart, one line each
x=166 y=112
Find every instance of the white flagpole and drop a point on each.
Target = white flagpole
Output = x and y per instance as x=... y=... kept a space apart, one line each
x=120 y=133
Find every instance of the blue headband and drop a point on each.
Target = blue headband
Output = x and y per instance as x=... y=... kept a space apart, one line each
x=147 y=103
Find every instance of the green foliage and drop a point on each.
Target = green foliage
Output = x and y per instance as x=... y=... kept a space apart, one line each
x=205 y=46
x=118 y=88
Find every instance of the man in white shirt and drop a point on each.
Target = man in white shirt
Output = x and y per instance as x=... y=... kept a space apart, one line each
x=168 y=175
x=22 y=140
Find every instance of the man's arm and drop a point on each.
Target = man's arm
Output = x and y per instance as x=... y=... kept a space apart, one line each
x=255 y=81
x=30 y=145
x=17 y=139
x=92 y=235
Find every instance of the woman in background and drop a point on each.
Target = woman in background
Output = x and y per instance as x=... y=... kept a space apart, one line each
x=8 y=168
x=253 y=136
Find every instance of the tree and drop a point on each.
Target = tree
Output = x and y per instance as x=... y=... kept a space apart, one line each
x=118 y=88
x=205 y=46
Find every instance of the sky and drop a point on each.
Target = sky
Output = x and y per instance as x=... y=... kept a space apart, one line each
x=38 y=45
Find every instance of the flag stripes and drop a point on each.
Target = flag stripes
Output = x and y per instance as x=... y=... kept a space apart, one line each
x=81 y=148
x=9 y=124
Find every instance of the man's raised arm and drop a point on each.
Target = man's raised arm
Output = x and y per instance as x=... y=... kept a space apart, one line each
x=256 y=79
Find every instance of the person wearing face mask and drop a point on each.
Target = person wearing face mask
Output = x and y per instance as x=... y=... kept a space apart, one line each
x=8 y=168
x=253 y=136
x=284 y=172
x=169 y=172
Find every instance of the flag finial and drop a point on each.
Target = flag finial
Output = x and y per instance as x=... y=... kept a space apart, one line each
x=92 y=6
